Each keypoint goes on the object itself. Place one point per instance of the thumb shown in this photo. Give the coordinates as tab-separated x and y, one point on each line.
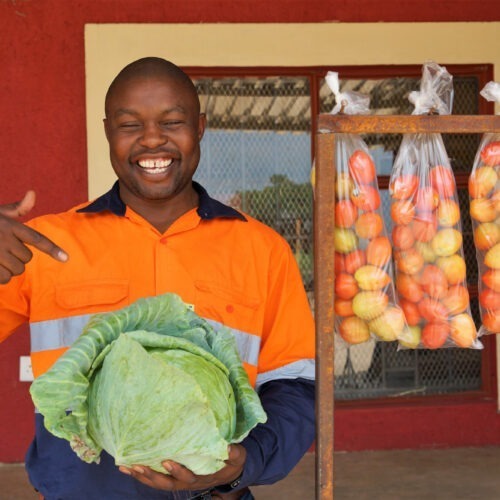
19	208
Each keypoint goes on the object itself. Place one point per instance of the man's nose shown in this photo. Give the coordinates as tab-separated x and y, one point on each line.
153	136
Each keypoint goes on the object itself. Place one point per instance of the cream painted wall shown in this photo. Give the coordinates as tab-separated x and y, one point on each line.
109	47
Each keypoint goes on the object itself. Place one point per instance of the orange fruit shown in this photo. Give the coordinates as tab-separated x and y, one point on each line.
403	186
427	199
486	235
369	225
410	310
354	330
492	257
491	321
448	213
432	309
402	211
343	307
453	267
402	236
424	230
446	242
456	300
489	299
482	210
482	181
389	325
434	334
354	260
426	251
361	167
408	288
379	251
371	278
463	330
345	213
409	261
345	286
433	281
339	263
369	305
442	180
491	279
366	197
345	240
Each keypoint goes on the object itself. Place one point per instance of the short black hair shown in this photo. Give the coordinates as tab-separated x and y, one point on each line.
151	67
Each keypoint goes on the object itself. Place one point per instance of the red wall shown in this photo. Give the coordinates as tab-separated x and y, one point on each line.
43	147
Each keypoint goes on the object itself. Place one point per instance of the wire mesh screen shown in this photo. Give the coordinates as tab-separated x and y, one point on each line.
256	154
256	157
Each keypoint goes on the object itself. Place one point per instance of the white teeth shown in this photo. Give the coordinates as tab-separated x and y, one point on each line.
154	164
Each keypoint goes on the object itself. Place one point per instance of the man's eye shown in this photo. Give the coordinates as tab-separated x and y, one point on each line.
128	125
171	123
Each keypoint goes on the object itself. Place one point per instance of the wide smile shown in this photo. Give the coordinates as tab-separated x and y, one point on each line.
155	166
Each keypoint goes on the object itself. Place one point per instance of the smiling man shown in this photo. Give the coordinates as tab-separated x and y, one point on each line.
156	231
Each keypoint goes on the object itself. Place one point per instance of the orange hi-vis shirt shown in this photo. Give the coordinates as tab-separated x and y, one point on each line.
232	269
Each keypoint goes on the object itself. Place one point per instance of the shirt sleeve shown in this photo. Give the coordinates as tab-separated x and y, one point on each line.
274	448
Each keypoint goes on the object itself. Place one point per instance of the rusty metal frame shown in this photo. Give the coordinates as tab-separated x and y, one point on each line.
324	275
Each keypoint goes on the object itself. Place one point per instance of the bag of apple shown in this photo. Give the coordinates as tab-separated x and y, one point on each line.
484	198
426	234
364	305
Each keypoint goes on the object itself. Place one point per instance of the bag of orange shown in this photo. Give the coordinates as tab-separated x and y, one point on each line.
427	235
484	208
365	306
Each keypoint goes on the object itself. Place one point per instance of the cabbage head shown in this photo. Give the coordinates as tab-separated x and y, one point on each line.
150	382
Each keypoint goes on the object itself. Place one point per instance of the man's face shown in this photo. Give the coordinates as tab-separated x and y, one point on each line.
154	128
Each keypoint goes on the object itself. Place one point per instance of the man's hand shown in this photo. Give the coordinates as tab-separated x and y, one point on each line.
180	478
15	236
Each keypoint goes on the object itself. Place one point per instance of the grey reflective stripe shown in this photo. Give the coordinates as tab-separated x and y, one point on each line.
305	368
248	345
56	333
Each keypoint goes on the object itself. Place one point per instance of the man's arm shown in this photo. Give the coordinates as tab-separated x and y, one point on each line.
274	448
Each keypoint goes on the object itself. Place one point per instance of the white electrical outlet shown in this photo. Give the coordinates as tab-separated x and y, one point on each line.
25	371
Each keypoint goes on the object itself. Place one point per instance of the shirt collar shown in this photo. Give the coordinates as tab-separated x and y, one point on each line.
208	208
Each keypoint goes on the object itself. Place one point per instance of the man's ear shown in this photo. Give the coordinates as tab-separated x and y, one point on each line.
106	125
202	123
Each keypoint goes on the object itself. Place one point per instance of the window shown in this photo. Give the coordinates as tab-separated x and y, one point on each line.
256	155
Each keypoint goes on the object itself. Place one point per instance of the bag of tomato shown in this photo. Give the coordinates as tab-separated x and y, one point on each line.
365	305
426	231
484	208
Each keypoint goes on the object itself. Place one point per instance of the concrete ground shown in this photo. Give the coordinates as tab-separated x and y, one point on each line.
451	474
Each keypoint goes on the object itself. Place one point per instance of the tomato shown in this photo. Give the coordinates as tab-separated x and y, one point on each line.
366	197
362	168
435	333
432	310
402	236
354	260
490	155
404	186
402	211
379	251
369	225
443	181
345	286
345	213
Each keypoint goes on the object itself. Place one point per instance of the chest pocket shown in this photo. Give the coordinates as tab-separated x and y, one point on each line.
93	295
231	307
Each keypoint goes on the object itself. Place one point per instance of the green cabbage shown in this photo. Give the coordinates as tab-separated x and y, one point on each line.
150	382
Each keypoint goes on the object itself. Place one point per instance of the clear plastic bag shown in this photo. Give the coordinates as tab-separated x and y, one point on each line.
484	209
427	234
365	306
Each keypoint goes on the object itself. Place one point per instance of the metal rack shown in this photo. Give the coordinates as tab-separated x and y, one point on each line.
324	210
